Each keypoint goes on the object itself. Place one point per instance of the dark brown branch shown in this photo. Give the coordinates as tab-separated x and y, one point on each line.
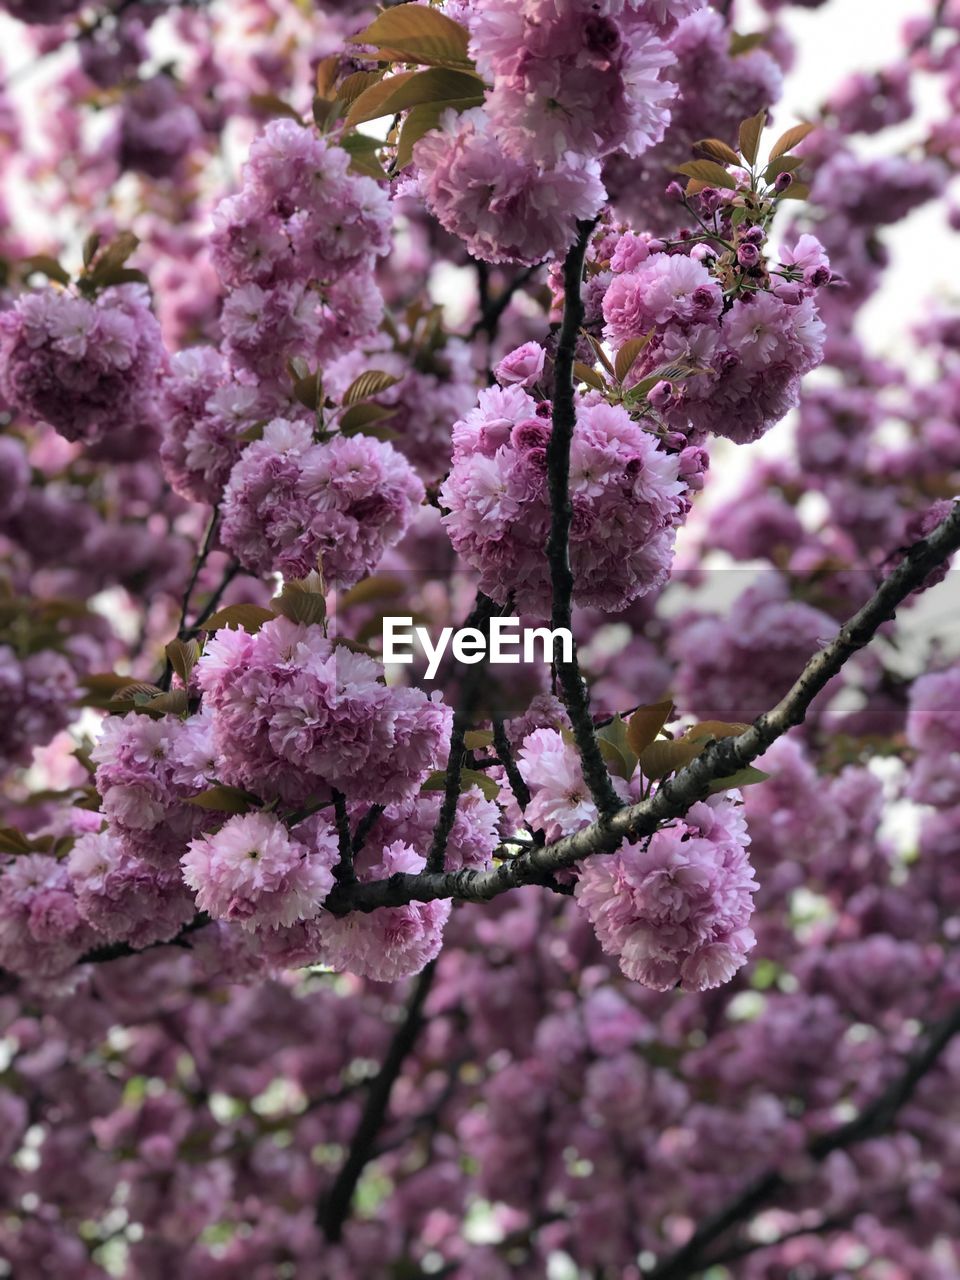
479	617
182	631
744	1248
365	826
572	686
505	756
492	309
874	1120
212	604
343	871
120	950
333	1211
674	798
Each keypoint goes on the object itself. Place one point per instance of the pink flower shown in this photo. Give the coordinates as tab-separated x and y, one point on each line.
289	501
293	715
392	942
42	933
253	872
89	369
123	897
523	367
505	209
676	909
663	289
626	494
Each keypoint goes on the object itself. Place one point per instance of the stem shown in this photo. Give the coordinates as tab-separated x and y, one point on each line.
436	858
334	1209
572	686
343	872
517	784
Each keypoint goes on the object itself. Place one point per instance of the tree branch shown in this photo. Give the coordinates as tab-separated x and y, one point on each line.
572	686
872	1121
343	872
479	617
517	784
492	309
334	1209
674	798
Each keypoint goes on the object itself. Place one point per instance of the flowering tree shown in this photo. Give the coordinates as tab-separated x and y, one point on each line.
634	963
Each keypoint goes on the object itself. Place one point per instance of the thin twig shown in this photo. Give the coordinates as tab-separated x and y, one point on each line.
872	1121
517	784
365	826
492	309
436	858
334	1209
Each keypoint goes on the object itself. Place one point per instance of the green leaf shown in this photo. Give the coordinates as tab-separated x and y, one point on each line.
90	247
136	692
417	33
628	353
708	730
421	121
183	657
14	842
787	141
717	149
708	171
478	739
750	132
379	586
175	703
584	373
45	265
308	390
363	155
325	113
614	742
268	104
415	89
437	781
783	164
249	617
799	191
303	601
664	757
353	86
369	384
740	44
743	778
645	724
222	798
364	416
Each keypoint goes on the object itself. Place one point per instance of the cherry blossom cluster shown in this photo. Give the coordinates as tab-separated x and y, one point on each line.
36	693
294	716
88	368
289	501
584	1076
741	359
626	490
568	85
677	909
295	249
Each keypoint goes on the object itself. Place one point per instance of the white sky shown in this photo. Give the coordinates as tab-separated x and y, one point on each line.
843	37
